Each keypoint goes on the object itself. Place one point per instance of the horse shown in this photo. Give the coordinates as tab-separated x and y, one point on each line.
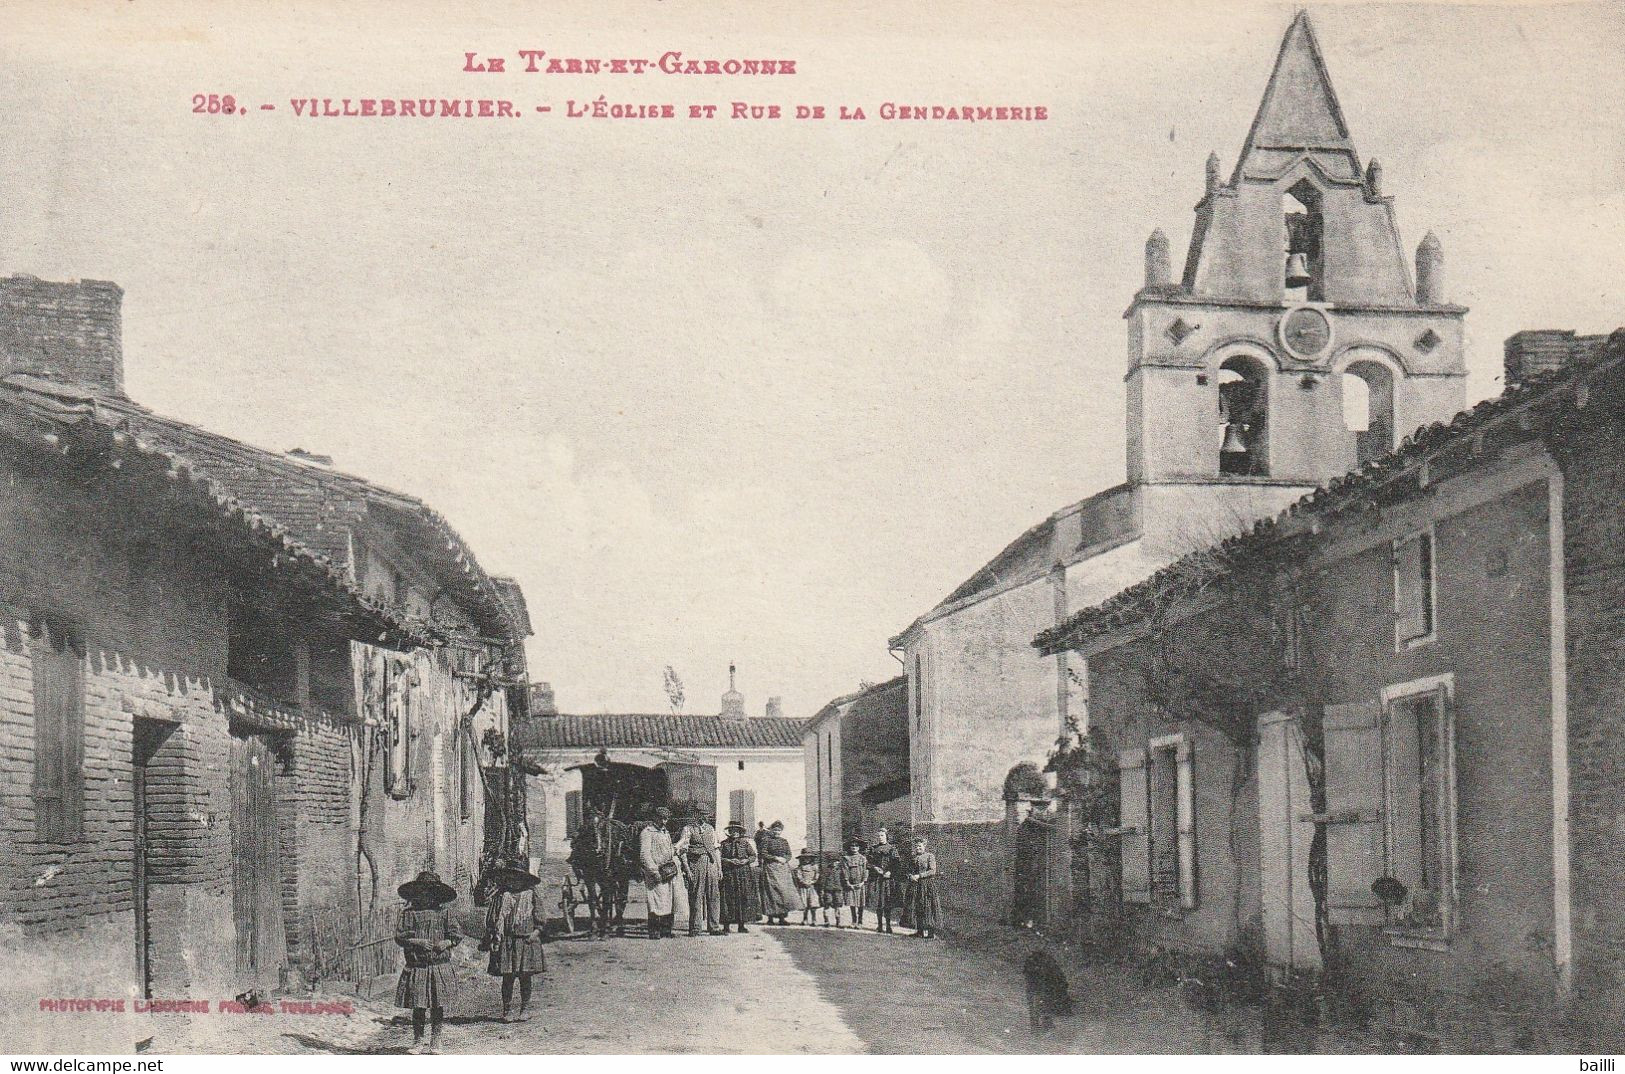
605	856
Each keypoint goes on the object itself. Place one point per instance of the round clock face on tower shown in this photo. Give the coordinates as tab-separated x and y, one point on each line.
1306	333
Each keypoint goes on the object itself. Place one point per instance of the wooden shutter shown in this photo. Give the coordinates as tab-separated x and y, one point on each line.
1134	822
742	808
1355	852
1185	814
398	725
59	731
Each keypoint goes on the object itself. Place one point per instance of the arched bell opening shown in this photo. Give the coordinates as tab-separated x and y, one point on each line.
1303	230
1368	409
1243	416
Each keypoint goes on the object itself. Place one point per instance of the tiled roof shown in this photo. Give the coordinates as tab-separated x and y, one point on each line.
1036	552
834	705
639	730
43	415
1556	394
310	504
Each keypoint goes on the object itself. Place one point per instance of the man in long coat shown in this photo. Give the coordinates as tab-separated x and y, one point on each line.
698	846
658	859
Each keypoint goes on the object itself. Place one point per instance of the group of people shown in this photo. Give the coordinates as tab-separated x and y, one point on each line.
742	879
515	922
727	884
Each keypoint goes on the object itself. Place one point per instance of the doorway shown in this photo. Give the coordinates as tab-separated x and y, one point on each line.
145	738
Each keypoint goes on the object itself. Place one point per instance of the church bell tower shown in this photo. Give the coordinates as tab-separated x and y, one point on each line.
1296	344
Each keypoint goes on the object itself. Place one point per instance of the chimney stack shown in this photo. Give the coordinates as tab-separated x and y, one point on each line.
775	708
733	702
68	332
1538	351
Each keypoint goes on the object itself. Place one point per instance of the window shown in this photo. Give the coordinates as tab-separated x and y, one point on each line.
1419	787
57	655
1390	793
1157	823
919	693
1414	591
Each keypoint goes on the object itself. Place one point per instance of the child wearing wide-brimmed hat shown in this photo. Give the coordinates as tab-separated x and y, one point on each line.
806	876
514	924
427	932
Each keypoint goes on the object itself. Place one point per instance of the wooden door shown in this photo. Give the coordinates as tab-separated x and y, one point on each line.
1284	839
256	859
146	737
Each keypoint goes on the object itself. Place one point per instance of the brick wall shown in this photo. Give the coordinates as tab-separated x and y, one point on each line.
1594	537
154	641
69	331
153	616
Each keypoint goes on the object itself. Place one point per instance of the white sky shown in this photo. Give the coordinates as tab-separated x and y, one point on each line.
750	391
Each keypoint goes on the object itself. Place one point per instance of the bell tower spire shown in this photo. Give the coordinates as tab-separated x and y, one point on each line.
1299	114
1295	285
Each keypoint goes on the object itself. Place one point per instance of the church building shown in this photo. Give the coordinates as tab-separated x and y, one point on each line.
1296	343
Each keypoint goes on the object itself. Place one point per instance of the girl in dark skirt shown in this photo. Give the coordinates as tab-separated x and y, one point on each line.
427	933
923	902
513	934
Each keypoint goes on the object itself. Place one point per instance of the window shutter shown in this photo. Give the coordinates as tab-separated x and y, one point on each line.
1133	822
742	808
398	710
1185	788
59	727
572	813
1355	855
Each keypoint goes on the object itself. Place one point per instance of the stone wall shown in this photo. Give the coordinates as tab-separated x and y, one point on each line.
1594	534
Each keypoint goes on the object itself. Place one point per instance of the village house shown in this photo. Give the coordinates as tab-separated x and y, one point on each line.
738	767
856	760
243	695
1377	738
1294	345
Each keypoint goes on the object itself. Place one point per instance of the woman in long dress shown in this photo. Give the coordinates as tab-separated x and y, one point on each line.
659	864
779	896
739	883
923	901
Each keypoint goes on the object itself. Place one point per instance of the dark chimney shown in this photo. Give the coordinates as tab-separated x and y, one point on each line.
68	332
1531	353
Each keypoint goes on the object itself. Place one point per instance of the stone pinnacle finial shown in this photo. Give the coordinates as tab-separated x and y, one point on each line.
1212	172
1157	272
1430	271
1373	177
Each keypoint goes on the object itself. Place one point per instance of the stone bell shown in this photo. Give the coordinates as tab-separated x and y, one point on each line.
1297	270
1235	442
